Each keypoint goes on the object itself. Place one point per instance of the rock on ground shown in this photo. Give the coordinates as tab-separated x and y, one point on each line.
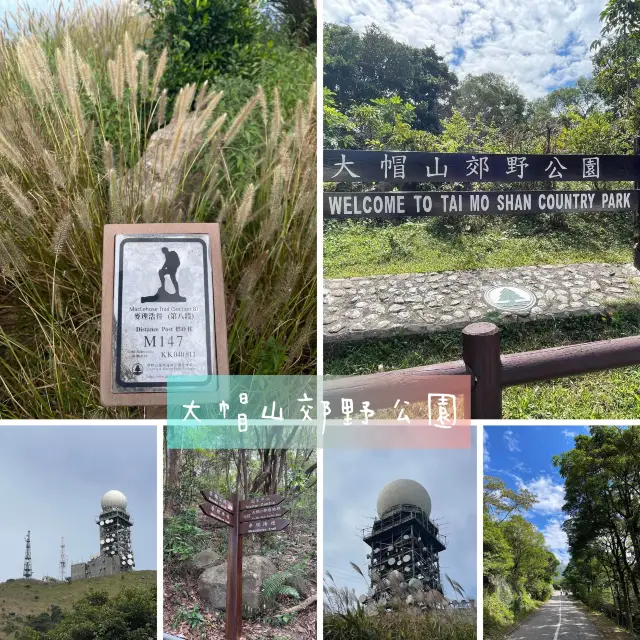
205	560
212	584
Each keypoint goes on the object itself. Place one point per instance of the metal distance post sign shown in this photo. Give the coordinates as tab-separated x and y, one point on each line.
164	309
255	515
163	289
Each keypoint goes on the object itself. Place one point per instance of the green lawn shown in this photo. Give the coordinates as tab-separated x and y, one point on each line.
374	247
611	394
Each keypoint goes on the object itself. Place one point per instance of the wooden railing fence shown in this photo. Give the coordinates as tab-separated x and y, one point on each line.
491	371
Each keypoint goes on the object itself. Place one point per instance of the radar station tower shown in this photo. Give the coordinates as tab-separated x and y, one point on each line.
404	539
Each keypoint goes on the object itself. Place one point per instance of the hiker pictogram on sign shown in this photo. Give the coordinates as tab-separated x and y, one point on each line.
169	268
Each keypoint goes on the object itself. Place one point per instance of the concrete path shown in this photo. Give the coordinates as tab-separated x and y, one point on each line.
557	619
380	306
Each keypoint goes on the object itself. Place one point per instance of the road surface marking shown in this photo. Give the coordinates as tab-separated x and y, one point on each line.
559	621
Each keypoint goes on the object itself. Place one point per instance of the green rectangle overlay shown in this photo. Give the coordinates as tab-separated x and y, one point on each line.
243	412
307	412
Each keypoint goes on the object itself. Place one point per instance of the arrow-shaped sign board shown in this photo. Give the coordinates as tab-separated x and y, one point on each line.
262	501
262	513
218	500
263	526
216	512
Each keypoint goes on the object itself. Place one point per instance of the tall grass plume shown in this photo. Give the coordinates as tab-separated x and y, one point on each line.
84	141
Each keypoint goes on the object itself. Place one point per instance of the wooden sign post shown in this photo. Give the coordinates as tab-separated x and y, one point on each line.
163	311
243	517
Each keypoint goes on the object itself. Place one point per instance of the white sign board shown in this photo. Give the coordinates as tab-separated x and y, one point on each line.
163	310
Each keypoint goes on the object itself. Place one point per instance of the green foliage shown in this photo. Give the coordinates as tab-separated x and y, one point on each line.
496	612
206	39
45	621
337	130
581	97
597	130
497	560
84	124
500	502
492	99
281	620
290	70
518	569
353	71
617	56
602	476
284	583
300	18
182	537
531	560
192	617
131	615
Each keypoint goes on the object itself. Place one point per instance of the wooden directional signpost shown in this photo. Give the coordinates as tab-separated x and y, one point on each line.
243	517
402	167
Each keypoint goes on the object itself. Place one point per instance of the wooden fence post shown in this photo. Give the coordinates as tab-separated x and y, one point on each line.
636	215
481	354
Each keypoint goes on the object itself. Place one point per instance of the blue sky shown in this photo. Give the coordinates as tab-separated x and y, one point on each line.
352	481
538	45
52	480
522	457
11	6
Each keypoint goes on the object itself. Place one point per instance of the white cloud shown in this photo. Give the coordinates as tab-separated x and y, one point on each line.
485	450
537	45
556	538
550	496
521	467
569	434
511	441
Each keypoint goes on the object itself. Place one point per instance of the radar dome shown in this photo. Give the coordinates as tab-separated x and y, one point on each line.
114	499
403	492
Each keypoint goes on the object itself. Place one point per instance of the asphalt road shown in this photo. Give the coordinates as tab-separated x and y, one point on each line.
557	619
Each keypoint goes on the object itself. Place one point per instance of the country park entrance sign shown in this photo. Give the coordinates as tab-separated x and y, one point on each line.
415	166
481	354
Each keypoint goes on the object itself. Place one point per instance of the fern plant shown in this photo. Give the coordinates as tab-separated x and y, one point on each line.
283	583
192	617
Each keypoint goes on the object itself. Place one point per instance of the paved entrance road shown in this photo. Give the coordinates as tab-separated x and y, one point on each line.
557	619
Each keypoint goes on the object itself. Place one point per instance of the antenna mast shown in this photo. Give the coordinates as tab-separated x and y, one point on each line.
27	558
63	561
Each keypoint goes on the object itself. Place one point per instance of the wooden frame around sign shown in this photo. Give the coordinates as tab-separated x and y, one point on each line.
154	398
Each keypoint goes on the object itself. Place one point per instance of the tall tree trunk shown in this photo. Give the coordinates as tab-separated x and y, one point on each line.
174	463
625	592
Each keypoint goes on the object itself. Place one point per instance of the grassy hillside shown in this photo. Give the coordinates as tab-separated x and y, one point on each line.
22	598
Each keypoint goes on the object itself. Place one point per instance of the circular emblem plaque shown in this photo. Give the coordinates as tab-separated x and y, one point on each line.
507	298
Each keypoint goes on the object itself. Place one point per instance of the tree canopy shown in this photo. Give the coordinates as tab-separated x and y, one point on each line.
518	569
491	98
602	483
360	68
